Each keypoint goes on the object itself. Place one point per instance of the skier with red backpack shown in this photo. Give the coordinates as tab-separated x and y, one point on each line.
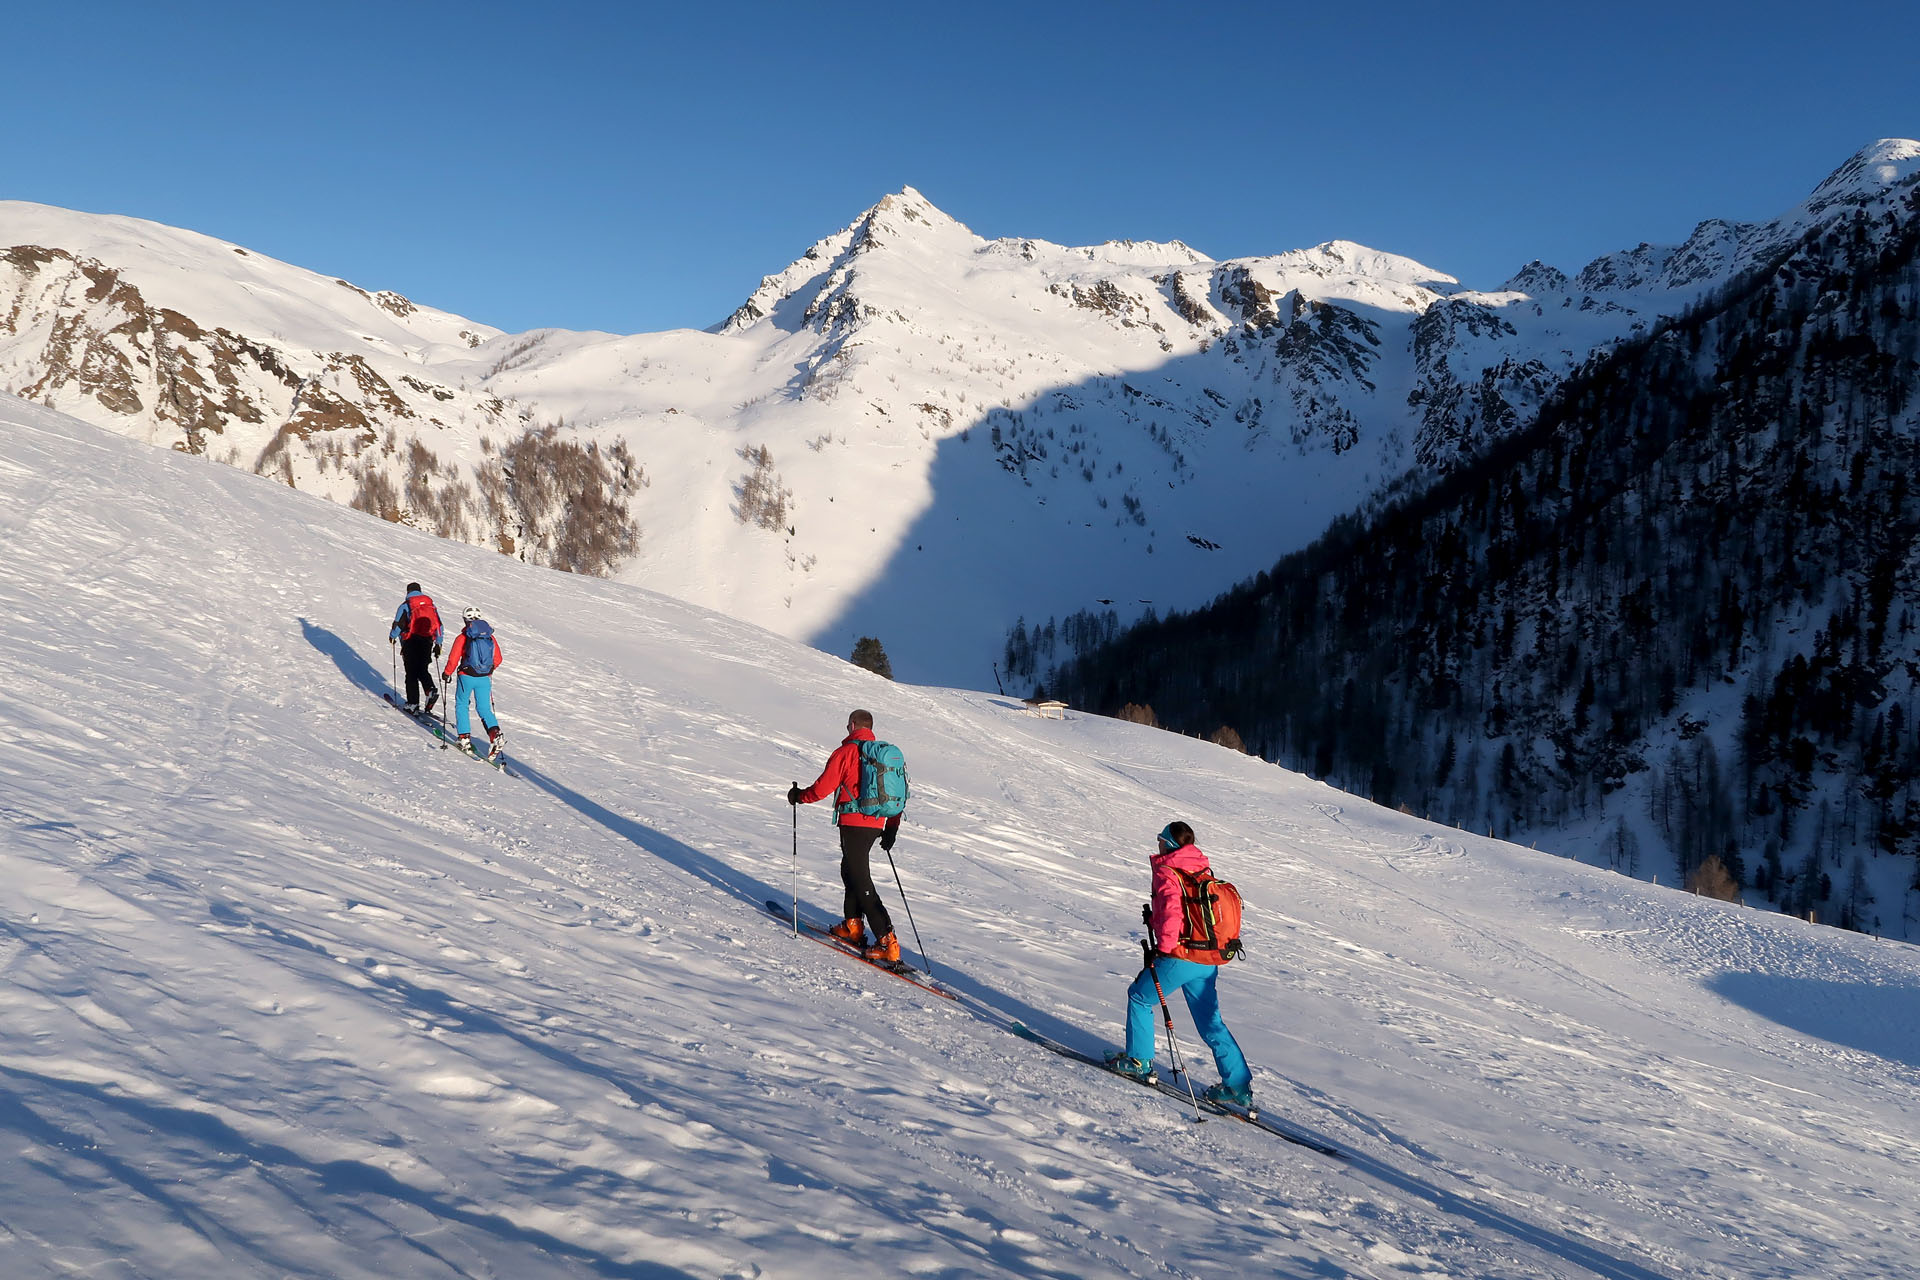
1193	927
476	656
867	780
416	629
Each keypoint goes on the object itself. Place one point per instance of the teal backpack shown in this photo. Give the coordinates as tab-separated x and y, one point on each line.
883	782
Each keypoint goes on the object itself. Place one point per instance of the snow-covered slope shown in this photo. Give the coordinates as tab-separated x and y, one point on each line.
182	338
284	990
910	432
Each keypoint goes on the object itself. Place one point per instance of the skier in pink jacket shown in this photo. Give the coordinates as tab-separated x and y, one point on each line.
1176	852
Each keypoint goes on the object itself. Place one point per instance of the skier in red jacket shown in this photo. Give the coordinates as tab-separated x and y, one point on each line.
858	832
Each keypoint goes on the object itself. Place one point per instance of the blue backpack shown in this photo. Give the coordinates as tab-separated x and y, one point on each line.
479	657
883	781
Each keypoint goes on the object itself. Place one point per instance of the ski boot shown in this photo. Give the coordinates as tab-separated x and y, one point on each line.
885	951
1225	1095
851	932
465	744
1132	1068
498	738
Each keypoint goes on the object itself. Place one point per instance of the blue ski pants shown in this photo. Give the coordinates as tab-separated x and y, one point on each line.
1203	1002
481	687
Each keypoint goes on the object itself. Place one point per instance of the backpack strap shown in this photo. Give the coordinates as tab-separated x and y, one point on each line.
841	808
1195	895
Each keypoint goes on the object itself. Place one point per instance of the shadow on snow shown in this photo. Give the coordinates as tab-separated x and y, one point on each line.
988	1005
1085	497
1871	1018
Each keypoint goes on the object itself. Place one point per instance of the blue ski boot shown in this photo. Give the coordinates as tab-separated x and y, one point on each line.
1225	1095
1132	1068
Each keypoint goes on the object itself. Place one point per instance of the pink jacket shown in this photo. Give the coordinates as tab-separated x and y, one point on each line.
1169	918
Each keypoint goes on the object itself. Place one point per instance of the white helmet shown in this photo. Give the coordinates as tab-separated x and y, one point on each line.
469	613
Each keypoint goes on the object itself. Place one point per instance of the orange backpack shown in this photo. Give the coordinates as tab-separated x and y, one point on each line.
1210	928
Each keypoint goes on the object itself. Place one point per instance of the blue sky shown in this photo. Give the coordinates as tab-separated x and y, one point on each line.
634	167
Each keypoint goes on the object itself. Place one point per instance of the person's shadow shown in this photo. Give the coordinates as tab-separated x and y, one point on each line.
355	668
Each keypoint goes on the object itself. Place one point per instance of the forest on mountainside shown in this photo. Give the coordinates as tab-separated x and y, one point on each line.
1697	565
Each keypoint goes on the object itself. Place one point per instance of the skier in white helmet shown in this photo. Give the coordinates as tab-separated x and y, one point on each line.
476	656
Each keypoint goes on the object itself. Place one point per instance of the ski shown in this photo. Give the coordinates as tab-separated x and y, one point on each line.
1252	1117
484	757
420	718
904	972
449	741
1259	1121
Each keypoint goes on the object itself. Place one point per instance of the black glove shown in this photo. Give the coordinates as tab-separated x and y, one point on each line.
436	650
892	833
1146	913
794	793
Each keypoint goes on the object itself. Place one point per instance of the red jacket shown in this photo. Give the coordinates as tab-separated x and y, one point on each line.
841	780
1169	916
460	648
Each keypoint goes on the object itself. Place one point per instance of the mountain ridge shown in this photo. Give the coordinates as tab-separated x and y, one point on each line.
1669	624
1165	423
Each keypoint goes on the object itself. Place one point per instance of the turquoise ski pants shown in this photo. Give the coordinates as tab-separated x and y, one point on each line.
481	687
1203	1002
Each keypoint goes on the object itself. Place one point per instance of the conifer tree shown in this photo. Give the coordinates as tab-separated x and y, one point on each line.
868	653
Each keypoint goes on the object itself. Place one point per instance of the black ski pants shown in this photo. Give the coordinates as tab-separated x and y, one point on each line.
417	653
856	872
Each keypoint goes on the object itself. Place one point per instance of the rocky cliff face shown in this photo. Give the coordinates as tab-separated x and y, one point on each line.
367	418
77	328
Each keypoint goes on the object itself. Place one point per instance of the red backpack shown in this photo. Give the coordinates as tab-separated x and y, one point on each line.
423	619
1210	928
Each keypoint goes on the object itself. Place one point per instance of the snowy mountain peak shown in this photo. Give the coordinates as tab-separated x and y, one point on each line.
1625	271
907	215
909	204
1868	173
1142	253
1345	258
1536	279
902	219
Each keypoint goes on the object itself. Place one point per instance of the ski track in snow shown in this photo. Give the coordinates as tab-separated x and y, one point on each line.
285	989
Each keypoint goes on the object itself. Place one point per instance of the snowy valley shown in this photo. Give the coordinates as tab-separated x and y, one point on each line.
286	990
883	436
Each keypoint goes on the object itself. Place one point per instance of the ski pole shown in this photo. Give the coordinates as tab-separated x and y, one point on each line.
1173	1045
393	651
796	867
909	906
